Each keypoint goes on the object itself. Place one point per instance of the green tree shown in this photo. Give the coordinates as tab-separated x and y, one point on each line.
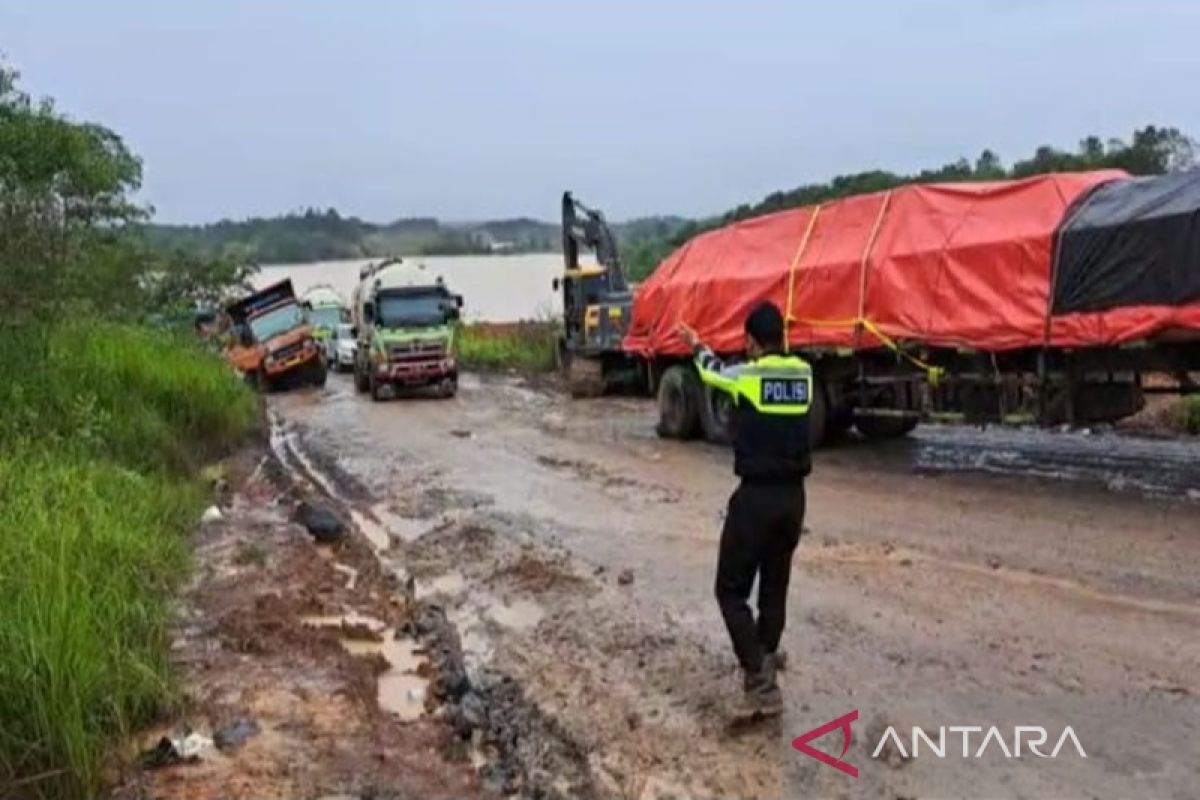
1153	151
65	208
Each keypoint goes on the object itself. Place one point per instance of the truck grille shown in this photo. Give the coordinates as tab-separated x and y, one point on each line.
415	350
287	352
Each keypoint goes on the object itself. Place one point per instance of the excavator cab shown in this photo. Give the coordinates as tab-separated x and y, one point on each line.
596	299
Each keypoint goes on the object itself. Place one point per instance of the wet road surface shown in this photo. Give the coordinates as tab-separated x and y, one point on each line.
922	595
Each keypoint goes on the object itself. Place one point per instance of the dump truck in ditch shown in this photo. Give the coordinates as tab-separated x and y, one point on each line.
272	342
404	321
1044	300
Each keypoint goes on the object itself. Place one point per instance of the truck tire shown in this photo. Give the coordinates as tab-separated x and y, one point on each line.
884	427
362	381
319	374
448	388
262	381
716	415
818	414
716	410
375	387
679	394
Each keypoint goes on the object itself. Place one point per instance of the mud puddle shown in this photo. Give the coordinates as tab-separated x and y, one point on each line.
297	643
402	681
557	684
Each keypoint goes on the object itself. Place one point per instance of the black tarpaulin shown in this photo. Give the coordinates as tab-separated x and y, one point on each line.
1131	242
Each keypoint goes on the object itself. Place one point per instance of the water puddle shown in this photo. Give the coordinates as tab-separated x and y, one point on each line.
400	689
376	534
381	526
452	583
354	624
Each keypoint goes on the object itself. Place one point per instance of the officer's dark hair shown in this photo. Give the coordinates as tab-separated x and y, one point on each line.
765	326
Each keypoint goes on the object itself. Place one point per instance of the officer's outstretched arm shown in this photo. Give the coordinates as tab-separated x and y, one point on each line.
714	373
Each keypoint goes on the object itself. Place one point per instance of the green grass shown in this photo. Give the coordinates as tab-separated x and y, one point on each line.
524	346
1191	414
104	429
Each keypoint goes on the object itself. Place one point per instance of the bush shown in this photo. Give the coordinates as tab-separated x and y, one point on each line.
102	426
1191	414
527	346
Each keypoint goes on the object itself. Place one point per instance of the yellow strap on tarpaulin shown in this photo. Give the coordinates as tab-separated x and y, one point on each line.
934	374
787	317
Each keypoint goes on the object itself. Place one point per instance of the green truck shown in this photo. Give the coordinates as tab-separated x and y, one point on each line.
404	319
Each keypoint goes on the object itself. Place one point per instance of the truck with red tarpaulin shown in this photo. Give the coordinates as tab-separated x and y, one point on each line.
1047	299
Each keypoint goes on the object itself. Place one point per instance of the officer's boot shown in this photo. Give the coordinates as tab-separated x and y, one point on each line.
762	694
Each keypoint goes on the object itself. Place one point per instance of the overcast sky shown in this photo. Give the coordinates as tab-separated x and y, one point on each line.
466	109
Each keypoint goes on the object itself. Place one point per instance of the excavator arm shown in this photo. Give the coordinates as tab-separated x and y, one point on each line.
585	228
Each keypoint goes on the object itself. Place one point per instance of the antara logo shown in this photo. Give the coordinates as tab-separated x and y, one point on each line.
1033	737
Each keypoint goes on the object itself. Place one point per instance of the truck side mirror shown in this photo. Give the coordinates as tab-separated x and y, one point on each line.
369	311
354	331
458	301
245	335
554	284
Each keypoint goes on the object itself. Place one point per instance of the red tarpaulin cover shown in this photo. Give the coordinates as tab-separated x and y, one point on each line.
944	264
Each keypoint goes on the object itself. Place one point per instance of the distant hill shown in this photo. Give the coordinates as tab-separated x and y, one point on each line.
1150	151
322	235
325	235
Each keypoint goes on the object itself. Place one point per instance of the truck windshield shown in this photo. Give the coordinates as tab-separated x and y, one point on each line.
325	316
398	311
276	321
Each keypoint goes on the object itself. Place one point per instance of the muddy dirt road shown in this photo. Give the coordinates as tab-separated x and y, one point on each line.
574	552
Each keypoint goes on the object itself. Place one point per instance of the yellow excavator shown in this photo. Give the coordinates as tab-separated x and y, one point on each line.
596	302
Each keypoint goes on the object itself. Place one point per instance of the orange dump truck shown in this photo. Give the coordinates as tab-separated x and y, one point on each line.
273	344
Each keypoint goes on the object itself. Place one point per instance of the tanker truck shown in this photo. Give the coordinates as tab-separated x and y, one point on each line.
403	317
1050	299
326	310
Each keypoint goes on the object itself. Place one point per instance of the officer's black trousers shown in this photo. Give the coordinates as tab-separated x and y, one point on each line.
762	528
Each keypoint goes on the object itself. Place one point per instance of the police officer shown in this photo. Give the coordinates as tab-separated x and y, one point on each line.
771	395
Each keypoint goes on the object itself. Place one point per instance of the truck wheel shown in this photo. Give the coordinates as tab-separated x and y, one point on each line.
716	415
448	387
376	388
362	381
262	381
884	427
679	394
319	374
818	414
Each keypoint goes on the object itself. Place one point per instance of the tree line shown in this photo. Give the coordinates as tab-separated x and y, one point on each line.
1151	150
72	241
324	234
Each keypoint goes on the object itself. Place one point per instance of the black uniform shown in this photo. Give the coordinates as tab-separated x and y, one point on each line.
762	524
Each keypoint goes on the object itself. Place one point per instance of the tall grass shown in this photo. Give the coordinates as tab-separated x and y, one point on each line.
526	346
102	430
1190	414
